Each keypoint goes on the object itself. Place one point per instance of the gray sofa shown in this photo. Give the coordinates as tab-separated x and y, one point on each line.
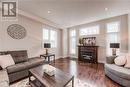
118	74
22	64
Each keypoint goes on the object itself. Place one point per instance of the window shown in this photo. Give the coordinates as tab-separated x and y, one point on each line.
45	34
89	30
112	36
50	36
72	35
113	27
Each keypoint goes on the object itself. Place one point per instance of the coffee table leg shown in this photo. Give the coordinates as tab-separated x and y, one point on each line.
54	58
48	59
29	77
73	82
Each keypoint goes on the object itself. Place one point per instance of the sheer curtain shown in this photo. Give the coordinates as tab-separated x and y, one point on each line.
53	38
72	42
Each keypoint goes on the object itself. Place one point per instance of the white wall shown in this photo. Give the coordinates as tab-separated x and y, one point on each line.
32	42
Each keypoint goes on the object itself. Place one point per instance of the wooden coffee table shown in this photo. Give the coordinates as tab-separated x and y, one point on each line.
60	79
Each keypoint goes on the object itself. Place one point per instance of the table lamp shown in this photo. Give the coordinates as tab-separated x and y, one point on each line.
47	45
114	46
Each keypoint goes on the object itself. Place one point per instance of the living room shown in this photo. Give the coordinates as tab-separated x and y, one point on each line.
77	43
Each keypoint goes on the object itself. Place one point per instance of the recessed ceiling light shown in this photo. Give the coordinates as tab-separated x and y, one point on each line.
48	12
106	9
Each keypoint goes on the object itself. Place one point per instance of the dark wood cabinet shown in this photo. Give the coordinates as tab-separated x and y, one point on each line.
88	53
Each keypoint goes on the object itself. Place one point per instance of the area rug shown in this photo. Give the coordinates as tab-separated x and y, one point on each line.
77	83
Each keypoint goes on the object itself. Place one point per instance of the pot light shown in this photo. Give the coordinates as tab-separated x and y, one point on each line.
106	9
48	12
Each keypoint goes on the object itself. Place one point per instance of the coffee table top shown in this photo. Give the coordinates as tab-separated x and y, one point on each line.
60	79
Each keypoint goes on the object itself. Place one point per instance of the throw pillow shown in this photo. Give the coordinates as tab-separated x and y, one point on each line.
110	59
121	60
127	65
6	60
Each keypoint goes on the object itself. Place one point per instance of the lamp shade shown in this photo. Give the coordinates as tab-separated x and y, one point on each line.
47	45
114	45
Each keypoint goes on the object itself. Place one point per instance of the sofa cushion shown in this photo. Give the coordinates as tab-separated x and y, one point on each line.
17	67
123	82
118	70
35	61
19	56
14	77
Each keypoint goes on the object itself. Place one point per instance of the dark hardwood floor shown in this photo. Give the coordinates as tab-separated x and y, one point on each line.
92	74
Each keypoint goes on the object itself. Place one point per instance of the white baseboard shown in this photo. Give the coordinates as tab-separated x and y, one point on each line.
63	56
101	61
60	57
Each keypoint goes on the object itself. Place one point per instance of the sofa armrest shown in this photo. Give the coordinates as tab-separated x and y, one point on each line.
4	76
110	59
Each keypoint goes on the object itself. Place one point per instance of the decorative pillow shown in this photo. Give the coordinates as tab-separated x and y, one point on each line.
127	65
110	59
6	60
121	60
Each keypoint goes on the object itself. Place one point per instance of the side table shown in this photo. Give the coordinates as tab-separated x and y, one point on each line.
48	56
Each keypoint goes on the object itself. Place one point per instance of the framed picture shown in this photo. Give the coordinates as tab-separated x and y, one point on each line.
91	41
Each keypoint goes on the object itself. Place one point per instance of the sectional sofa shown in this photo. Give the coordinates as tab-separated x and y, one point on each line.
22	65
117	73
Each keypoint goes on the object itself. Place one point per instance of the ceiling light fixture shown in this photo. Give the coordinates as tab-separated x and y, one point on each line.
48	12
106	9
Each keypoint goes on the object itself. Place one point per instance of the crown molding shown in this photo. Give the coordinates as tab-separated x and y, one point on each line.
36	18
39	19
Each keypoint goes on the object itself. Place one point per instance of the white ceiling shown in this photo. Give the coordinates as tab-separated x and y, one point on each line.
74	12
